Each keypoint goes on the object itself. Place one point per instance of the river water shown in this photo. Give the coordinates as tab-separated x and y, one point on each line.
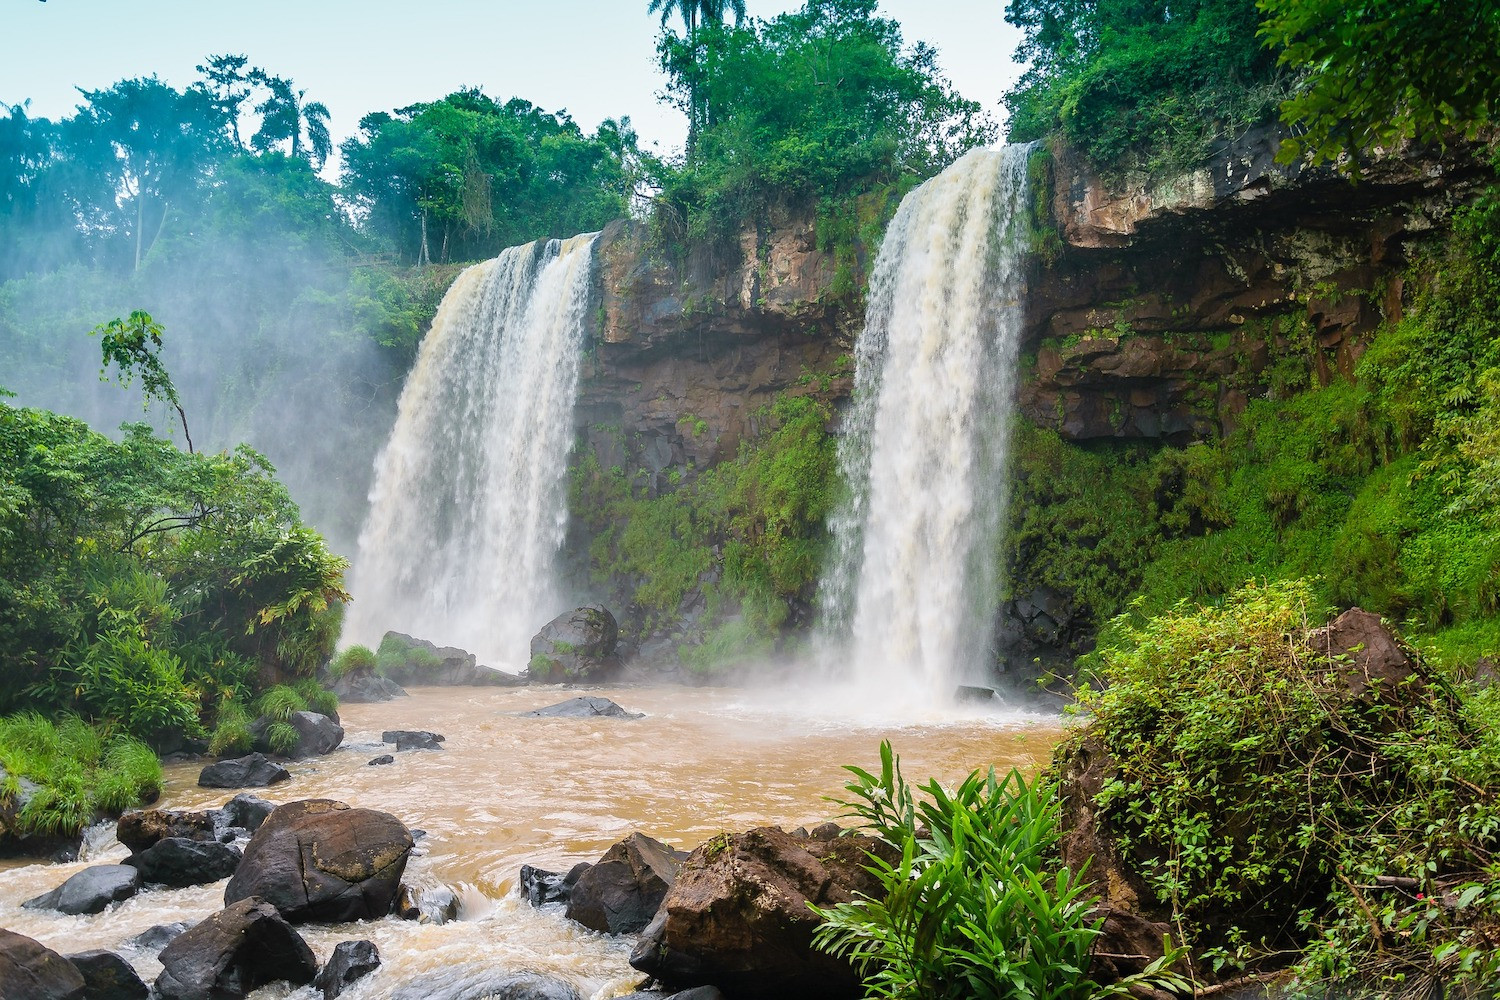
510	791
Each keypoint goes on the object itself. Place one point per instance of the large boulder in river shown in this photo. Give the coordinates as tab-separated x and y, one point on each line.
576	647
29	970
319	860
621	893
363	685
89	891
413	739
316	735
239	949
738	917
412	661
141	829
178	862
107	976
253	770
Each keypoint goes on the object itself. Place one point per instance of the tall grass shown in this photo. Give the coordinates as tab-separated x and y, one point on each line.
83	771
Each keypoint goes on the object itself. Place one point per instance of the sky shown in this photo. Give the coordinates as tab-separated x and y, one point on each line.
595	59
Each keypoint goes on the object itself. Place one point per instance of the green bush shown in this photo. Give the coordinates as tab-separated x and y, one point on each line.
231	736
280	702
977	905
351	659
83	771
282	737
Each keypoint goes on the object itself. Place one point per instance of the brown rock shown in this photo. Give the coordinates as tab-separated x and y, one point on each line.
621	893
738	917
1373	663
318	859
29	970
140	830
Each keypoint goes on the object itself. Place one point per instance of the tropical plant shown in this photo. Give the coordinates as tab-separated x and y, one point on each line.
286	115
133	346
81	771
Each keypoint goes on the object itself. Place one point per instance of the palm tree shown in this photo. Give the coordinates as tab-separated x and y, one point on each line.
285	114
692	13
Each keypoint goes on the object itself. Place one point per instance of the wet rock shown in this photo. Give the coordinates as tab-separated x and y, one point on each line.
586	707
575	647
153	939
316	735
1373	664
384	758
350	962
239	949
320	860
364	686
826	831
89	891
15	841
251	771
423	663
140	830
621	893
540	886
107	976
737	917
699	993
413	739
1128	941
178	862
243	812
434	904
29	970
482	983
969	694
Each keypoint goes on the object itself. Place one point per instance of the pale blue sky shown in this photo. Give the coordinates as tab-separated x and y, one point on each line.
594	58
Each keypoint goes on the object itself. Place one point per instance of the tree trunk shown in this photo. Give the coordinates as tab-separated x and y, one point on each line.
422	257
140	223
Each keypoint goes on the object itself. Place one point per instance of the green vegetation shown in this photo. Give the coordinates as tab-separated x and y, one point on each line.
746	535
83	771
978	904
1273	803
352	659
810	108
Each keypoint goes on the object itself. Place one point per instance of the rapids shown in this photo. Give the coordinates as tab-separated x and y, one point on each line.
551	792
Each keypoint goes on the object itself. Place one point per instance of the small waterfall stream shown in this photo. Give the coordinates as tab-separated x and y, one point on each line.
914	575
468	507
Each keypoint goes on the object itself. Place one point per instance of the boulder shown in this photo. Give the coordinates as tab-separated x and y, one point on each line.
482	982
412	661
621	893
316	734
738	916
587	707
156	937
350	962
540	886
575	647
89	891
321	860
16	840
413	739
384	758
243	812
107	976
1372	663
364	686
178	862
29	970
143	828
239	949
250	771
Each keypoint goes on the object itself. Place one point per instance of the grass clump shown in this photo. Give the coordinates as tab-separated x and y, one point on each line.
352	659
82	771
231	736
1274	806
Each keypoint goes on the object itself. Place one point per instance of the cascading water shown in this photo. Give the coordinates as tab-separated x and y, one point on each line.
468	507
913	582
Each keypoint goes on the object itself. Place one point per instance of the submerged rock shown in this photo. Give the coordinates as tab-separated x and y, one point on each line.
107	976
178	862
251	771
29	970
585	707
738	916
316	734
364	686
575	647
350	962
319	860
89	891
413	739
153	939
384	758
482	983
621	893
239	949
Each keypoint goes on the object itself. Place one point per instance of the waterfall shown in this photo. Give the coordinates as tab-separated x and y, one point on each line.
468	507
910	594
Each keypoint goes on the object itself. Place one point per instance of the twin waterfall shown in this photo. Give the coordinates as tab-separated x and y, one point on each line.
914	576
469	504
469	509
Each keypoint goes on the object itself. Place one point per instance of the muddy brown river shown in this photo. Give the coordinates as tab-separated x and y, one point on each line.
510	791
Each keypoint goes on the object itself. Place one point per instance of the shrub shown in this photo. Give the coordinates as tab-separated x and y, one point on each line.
351	659
231	736
280	702
83	771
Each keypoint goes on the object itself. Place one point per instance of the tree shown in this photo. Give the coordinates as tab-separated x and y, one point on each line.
133	346
694	12
228	85
285	115
1383	72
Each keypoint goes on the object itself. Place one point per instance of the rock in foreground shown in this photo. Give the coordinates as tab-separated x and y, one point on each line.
29	970
576	647
587	707
251	771
318	859
178	862
737	917
237	950
90	891
107	976
621	893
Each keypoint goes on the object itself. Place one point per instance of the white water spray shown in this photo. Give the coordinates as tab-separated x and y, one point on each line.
914	578
469	506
